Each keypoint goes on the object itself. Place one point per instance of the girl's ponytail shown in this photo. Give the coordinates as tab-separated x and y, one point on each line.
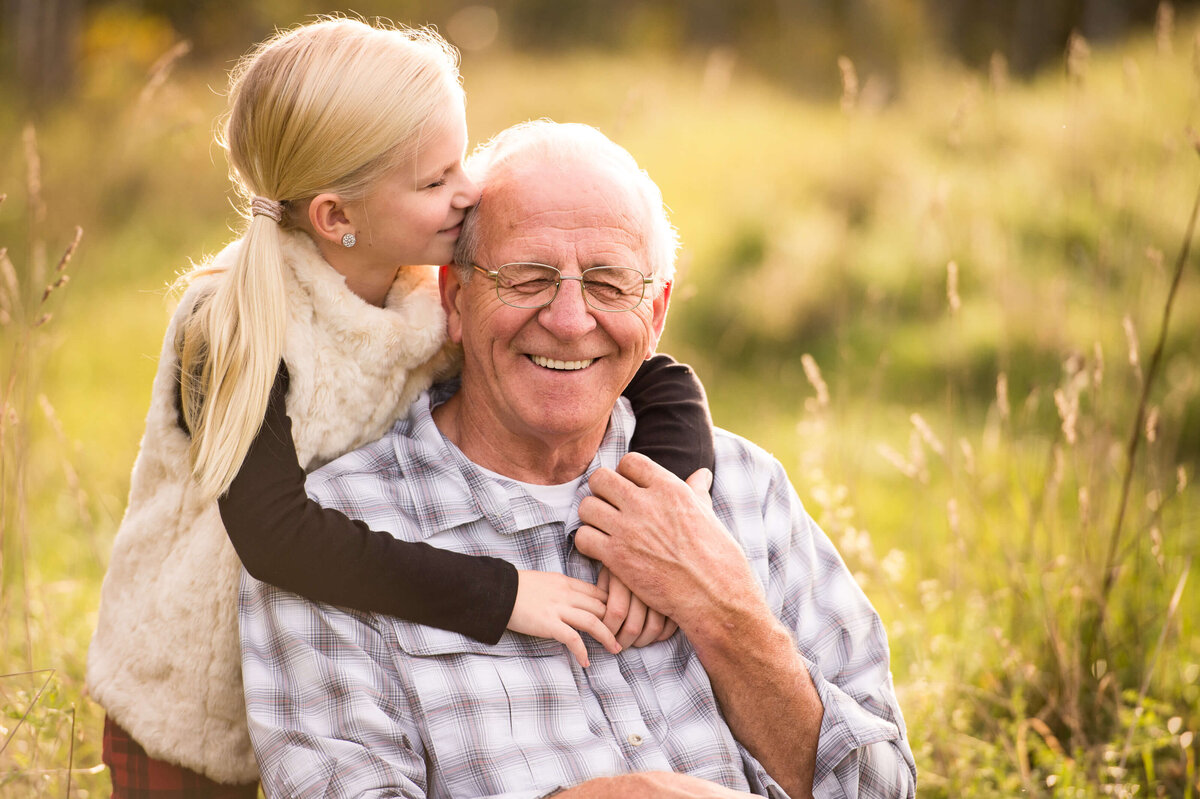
333	106
229	355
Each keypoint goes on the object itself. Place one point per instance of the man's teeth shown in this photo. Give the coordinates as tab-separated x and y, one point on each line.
567	366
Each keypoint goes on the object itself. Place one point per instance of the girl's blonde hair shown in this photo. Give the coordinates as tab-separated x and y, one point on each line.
329	106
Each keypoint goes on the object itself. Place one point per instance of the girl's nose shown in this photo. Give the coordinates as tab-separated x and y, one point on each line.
468	193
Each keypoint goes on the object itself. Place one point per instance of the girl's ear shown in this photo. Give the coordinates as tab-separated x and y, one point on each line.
327	215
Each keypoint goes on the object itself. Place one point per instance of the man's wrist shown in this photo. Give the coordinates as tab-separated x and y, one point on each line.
729	621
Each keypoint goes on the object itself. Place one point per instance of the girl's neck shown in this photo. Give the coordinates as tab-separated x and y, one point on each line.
371	286
368	281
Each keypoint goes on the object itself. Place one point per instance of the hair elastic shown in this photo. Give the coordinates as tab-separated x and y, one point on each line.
261	206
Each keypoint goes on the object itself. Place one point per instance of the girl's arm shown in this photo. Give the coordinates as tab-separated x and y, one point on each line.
674	428
286	539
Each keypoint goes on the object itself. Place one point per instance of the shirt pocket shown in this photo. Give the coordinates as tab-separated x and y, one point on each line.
485	710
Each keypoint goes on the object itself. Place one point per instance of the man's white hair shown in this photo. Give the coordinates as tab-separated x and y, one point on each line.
545	140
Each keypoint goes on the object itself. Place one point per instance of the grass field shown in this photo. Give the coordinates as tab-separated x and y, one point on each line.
938	302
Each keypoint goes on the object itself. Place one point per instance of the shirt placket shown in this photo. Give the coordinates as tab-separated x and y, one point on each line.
611	682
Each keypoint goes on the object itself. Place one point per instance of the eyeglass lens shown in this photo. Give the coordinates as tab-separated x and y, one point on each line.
605	288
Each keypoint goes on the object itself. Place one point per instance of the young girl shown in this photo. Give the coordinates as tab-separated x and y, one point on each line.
302	340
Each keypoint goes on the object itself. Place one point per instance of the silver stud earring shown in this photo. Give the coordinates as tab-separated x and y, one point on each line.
349	240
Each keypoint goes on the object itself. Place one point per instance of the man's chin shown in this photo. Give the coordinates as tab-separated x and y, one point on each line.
568	417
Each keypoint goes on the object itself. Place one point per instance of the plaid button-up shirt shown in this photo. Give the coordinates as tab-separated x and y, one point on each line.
343	703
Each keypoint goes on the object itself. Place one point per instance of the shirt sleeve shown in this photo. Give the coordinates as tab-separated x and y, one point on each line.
863	751
674	427
285	538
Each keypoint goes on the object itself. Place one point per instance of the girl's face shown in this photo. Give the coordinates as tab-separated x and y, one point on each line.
415	214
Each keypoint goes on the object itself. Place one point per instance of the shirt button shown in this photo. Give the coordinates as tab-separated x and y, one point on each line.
634	739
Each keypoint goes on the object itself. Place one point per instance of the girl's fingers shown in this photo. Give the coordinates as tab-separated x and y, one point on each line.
593	626
560	607
586	589
574	643
701	482
635	622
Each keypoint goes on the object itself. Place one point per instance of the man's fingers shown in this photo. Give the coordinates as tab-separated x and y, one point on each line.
617	608
638	469
669	629
598	515
635	622
652	629
591	542
606	486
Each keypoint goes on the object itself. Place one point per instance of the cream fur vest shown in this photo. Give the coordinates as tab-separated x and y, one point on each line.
164	661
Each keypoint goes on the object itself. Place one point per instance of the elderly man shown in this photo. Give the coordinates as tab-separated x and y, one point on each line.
777	683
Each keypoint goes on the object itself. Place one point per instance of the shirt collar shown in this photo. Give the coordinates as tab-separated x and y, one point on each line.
467	493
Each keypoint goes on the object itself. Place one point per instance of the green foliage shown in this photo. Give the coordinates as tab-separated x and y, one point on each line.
964	439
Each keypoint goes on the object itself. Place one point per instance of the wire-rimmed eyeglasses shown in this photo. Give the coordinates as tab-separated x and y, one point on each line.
605	288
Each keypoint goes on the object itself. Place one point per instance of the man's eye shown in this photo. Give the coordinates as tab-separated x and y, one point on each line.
605	288
534	286
612	284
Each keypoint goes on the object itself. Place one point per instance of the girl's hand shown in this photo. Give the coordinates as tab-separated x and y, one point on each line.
629	618
555	606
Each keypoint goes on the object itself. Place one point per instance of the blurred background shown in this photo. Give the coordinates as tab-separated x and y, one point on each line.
934	259
796	42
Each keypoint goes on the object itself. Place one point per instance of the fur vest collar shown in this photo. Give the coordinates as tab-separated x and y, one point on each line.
164	660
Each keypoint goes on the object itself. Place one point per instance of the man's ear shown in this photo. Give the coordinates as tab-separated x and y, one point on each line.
658	319
328	217
450	289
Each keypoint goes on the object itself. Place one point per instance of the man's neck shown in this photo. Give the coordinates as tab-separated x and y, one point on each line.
541	460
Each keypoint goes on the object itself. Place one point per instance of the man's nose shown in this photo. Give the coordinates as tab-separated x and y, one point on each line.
568	316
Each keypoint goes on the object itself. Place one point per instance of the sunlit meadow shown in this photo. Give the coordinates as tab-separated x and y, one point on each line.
938	301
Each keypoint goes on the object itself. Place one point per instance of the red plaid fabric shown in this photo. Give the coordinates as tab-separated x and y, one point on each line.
136	775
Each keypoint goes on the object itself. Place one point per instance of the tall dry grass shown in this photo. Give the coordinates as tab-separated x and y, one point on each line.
1052	648
38	733
932	305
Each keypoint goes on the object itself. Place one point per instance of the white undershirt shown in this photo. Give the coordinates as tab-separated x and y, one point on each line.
560	498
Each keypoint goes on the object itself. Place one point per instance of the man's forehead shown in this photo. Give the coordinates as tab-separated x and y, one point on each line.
562	199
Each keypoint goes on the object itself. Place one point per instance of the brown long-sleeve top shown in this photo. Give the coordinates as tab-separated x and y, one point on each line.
286	539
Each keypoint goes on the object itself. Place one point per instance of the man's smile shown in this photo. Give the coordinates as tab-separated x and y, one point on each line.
564	366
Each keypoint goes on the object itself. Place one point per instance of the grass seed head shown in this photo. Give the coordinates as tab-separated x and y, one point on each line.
952	287
1164	28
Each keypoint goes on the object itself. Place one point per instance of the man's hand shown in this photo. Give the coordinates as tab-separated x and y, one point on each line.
555	606
660	536
651	785
628	617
